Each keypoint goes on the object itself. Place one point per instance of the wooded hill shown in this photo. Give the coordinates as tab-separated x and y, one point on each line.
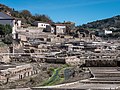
25	15
105	23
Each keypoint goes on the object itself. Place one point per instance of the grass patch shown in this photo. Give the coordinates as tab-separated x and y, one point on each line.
55	78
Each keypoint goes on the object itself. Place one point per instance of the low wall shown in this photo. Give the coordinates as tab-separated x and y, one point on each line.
55	60
57	89
101	63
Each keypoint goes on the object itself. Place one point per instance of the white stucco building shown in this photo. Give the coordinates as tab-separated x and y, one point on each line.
104	32
108	32
41	24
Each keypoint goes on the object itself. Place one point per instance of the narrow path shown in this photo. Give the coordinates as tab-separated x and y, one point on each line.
53	78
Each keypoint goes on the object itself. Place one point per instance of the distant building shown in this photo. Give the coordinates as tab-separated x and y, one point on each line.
104	32
63	28
108	32
69	26
40	24
59	29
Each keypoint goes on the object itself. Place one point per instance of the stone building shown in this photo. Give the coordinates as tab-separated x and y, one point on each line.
16	72
74	61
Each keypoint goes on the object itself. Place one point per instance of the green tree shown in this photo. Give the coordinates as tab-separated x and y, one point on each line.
5	29
8	29
2	29
43	18
26	13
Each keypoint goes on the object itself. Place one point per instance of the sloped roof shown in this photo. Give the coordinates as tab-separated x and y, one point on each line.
5	16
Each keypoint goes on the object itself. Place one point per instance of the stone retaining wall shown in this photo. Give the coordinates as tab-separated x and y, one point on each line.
101	63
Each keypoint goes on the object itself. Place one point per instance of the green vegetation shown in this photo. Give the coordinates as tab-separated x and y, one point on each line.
25	15
53	79
7	39
112	24
5	32
105	23
56	77
5	29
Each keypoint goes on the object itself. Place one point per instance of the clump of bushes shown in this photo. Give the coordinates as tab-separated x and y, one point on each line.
6	33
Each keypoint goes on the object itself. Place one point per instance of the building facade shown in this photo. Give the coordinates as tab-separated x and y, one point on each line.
41	24
17	72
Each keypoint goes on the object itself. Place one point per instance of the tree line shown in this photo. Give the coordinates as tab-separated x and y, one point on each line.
28	18
25	15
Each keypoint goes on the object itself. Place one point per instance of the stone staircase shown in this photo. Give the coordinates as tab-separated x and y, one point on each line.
104	75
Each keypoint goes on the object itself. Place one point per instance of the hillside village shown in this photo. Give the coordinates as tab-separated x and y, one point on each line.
47	53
